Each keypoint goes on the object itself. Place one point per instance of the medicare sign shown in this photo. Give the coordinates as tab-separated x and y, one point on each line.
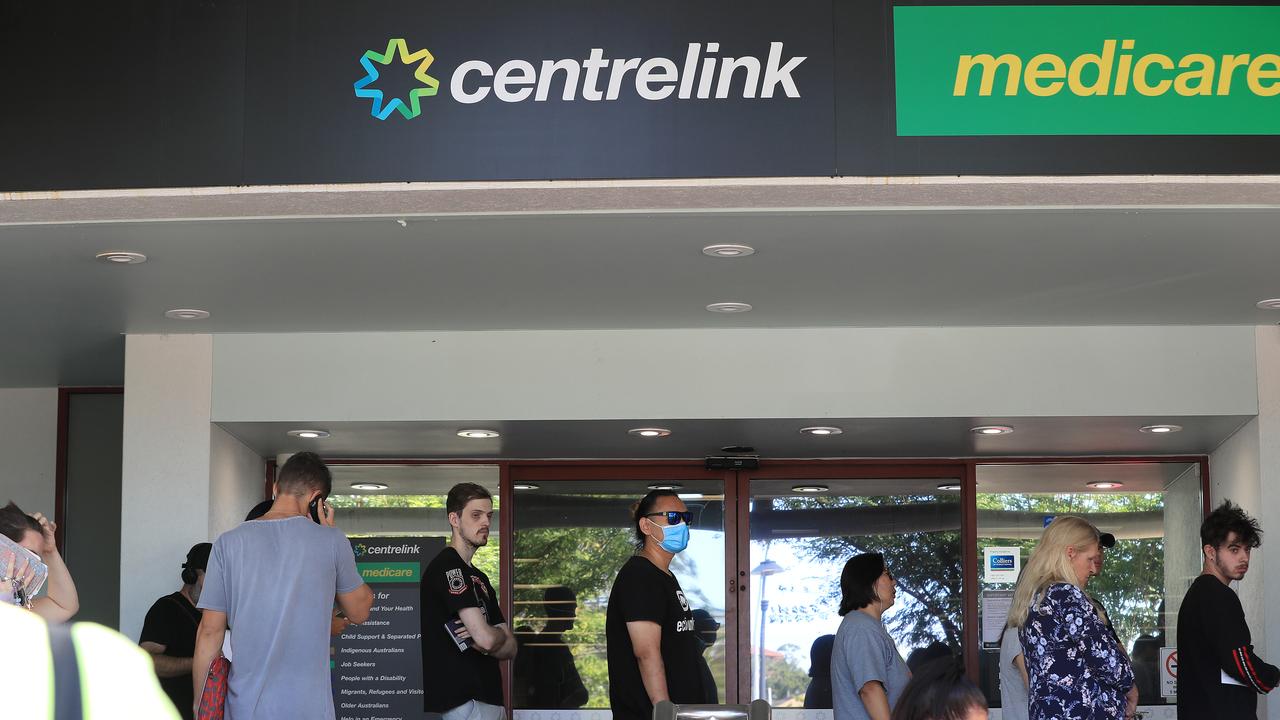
1087	70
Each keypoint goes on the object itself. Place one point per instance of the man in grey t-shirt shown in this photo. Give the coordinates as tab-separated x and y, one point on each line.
274	581
867	672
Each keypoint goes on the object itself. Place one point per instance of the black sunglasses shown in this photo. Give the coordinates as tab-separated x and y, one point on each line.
675	517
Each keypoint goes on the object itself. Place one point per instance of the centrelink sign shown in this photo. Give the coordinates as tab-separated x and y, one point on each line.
703	73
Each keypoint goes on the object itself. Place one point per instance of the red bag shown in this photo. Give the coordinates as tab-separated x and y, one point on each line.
213	699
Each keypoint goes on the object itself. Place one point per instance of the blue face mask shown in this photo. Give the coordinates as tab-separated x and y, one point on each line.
675	538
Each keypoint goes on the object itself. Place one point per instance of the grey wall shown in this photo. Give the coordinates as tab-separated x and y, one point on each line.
95	424
28	447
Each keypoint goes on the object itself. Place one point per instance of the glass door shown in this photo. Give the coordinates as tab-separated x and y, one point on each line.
804	523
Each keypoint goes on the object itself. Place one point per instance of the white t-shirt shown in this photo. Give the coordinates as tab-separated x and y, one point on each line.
1013	689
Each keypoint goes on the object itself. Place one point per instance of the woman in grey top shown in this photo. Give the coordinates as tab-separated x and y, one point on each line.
867	672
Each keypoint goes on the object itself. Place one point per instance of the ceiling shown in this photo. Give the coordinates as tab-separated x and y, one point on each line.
774	438
62	313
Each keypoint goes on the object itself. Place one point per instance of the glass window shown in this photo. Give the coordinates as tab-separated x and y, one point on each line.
1153	510
571	538
803	532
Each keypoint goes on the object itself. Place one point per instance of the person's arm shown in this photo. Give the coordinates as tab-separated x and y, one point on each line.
488	639
875	700
61	602
213	626
356	604
166	666
509	645
1021	663
646	642
1226	629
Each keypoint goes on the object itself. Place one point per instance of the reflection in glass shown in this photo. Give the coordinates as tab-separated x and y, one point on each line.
809	537
1154	515
571	538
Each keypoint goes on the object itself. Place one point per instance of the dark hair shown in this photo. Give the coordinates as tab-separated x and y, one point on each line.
463	493
644	507
303	473
259	510
858	580
1226	519
14	523
939	691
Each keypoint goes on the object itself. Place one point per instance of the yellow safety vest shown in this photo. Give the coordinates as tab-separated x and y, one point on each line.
117	678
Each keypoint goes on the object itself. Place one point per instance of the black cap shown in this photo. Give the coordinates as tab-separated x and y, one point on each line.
1106	540
198	557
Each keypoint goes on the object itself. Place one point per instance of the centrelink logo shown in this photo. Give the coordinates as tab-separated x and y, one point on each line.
703	75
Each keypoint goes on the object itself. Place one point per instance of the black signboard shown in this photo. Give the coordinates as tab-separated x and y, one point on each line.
377	666
224	92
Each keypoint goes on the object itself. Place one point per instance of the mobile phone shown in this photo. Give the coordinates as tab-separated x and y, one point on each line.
316	507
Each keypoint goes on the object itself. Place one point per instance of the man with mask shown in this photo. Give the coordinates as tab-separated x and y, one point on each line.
1219	675
464	634
169	631
653	648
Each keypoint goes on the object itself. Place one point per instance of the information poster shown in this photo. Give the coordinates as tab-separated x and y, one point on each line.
995	613
377	666
1001	564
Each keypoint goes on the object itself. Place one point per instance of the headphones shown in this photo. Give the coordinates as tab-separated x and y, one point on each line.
189	575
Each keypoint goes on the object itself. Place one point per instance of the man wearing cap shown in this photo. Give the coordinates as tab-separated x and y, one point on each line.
169	632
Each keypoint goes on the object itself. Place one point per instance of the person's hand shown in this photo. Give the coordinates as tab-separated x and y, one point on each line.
326	514
49	529
338	625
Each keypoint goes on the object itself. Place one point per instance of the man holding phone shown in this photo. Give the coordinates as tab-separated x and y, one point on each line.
274	580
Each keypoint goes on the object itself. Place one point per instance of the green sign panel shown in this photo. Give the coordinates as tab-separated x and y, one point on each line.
389	572
1087	70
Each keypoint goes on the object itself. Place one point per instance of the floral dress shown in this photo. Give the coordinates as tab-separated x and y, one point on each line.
1077	670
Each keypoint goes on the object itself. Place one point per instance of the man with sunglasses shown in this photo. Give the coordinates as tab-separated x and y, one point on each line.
652	643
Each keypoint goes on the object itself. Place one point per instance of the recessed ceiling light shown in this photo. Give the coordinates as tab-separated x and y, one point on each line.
649	432
809	488
991	430
1160	429
525	486
729	307
949	486
665	486
187	314
478	433
821	430
1272	304
1105	485
310	434
728	250
368	486
121	257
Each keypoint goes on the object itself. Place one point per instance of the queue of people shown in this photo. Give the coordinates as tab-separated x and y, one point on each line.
246	635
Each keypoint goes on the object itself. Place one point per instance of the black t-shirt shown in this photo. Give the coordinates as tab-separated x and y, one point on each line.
451	677
1213	638
642	592
172	622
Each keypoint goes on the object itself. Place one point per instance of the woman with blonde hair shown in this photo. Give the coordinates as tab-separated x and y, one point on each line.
1076	668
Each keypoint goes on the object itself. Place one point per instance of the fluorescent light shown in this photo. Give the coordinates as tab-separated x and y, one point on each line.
949	486
309	434
649	432
991	430
690	496
822	430
728	250
478	433
525	486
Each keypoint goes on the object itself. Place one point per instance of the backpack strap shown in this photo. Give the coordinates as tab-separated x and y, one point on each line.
66	674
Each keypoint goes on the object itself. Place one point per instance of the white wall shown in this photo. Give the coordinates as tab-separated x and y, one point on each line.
166	465
29	447
844	372
236	476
